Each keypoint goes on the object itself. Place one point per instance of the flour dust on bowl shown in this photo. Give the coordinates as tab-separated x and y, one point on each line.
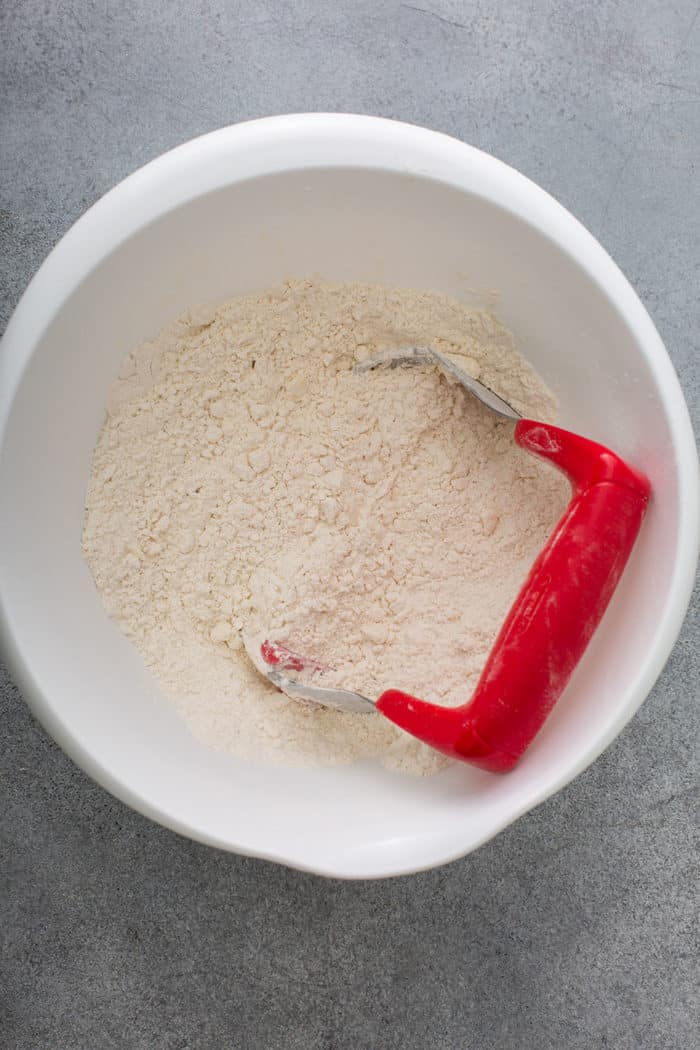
350	200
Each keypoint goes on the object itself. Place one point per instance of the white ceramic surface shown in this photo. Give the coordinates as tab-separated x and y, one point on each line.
348	198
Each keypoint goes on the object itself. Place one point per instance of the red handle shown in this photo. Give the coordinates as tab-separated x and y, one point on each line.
554	616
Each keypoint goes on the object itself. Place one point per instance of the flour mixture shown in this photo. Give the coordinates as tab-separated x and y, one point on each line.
245	478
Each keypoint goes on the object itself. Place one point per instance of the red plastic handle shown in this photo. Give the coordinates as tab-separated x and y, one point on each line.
554	616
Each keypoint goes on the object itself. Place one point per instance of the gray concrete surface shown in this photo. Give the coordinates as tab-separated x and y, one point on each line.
577	927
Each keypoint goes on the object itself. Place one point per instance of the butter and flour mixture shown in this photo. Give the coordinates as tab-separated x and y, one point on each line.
382	523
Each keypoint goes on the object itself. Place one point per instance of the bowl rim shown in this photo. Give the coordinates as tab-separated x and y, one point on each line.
311	140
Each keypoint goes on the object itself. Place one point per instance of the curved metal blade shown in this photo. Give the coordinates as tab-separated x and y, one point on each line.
338	699
423	355
274	661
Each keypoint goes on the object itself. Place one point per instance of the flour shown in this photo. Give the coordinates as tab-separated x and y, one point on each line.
247	479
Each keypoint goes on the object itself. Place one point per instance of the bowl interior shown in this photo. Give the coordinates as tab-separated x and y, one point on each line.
86	682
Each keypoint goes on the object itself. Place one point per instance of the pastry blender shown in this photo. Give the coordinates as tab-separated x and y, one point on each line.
550	622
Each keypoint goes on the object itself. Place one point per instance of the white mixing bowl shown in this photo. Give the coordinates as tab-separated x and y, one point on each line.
348	198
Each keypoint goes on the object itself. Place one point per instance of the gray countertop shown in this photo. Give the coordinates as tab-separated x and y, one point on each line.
575	927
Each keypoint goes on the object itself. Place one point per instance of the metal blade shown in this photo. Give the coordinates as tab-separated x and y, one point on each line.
338	699
423	355
268	657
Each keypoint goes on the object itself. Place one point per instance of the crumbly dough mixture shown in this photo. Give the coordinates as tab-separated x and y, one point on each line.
382	523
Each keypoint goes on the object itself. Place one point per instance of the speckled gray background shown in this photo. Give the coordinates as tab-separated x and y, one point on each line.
575	928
